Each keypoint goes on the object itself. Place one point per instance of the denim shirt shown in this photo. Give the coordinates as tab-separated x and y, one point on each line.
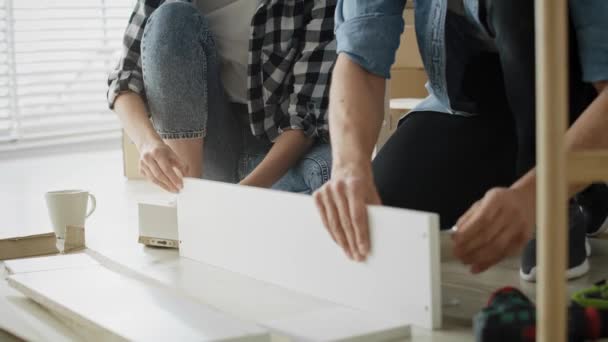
369	31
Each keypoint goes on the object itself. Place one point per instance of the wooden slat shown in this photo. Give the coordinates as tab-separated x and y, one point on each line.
551	107
587	166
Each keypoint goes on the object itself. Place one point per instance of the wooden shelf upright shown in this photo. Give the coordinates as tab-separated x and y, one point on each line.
556	168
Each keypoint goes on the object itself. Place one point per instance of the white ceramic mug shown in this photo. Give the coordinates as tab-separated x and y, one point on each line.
68	207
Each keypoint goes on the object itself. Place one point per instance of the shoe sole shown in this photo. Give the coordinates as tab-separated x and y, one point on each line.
602	229
571	273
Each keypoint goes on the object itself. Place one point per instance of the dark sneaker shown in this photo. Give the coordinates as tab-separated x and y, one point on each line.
594	204
578	247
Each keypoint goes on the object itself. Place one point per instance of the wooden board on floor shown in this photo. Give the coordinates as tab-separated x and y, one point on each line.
278	237
341	324
14	326
284	312
121	308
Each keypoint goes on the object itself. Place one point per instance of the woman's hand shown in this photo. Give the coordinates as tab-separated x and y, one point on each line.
497	226
159	164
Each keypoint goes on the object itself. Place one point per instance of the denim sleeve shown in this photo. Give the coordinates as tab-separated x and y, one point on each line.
590	18
368	31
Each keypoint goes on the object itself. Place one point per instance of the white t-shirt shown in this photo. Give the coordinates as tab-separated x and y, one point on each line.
230	23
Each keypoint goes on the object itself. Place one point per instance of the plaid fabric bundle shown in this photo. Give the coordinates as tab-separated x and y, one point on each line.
292	51
511	317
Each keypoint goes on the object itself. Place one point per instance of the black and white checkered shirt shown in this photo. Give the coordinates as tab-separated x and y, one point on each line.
291	54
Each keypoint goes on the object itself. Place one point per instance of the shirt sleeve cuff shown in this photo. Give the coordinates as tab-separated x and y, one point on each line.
371	41
122	81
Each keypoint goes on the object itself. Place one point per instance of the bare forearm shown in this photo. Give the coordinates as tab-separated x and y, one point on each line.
131	111
286	151
356	113
588	132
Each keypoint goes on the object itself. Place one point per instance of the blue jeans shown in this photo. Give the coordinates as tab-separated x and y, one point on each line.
186	100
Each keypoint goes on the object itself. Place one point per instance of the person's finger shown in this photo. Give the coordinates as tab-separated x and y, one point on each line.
492	259
166	165
150	176
373	197
180	165
359	219
318	198
334	221
159	174
467	249
467	214
495	251
339	196
477	224
473	256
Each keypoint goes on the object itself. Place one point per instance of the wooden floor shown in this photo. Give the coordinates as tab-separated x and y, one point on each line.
472	292
463	293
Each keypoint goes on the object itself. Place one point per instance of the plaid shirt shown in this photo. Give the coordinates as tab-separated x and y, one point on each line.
292	51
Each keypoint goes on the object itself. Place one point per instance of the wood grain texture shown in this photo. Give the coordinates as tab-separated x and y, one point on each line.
551	22
587	166
279	238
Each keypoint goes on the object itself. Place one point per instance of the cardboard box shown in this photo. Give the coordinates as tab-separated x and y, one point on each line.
408	16
408	83
408	54
130	158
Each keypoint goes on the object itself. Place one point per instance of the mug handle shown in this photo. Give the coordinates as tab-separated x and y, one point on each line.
93	205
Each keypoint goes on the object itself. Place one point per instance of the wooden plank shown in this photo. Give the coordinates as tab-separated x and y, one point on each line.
278	237
551	115
587	166
120	308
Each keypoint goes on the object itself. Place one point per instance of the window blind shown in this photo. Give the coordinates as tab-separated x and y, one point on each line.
54	60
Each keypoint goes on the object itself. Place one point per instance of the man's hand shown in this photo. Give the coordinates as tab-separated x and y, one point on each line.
497	226
162	166
342	204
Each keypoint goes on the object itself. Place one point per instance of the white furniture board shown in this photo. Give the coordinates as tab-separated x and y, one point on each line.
284	312
48	263
158	222
13	324
342	324
129	309
279	238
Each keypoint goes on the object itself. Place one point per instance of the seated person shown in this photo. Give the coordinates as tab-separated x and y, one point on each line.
230	98
467	151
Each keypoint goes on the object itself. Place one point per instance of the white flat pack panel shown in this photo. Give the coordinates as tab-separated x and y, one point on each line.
342	324
284	312
279	238
128	309
47	263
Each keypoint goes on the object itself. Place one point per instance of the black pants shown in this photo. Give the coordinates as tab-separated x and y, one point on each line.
443	163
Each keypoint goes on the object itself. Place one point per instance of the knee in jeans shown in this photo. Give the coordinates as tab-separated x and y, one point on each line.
315	172
174	27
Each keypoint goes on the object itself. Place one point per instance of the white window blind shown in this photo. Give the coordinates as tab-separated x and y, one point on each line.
54	60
